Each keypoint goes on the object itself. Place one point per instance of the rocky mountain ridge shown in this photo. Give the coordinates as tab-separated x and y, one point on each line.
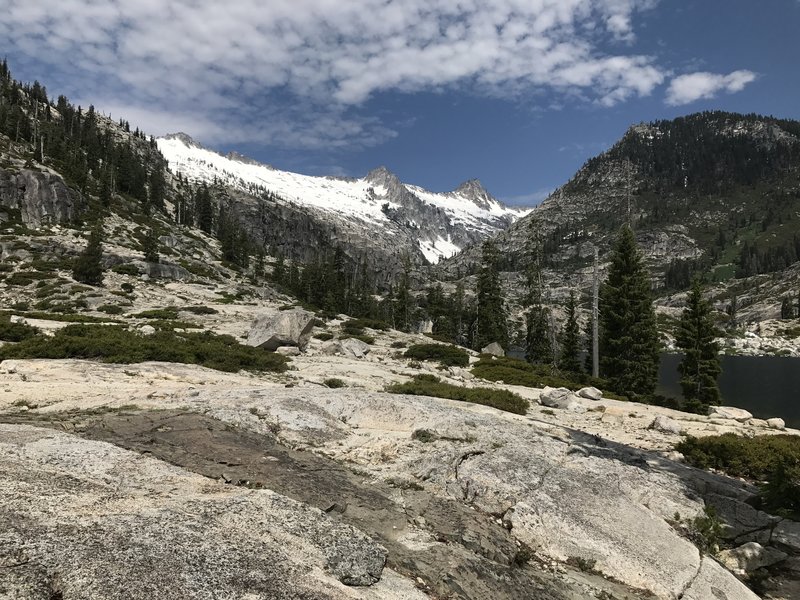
425	225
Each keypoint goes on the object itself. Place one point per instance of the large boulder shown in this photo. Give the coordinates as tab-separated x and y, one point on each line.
776	423
590	393
730	412
664	424
41	198
494	349
749	557
285	328
354	347
560	398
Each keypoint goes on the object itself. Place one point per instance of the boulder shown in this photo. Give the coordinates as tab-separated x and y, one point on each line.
284	328
494	349
590	393
664	424
354	347
749	557
713	582
776	423
17	319
560	398
730	412
147	330
787	533
288	350
165	271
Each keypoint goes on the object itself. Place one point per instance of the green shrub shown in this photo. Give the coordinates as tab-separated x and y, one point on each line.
773	460
111	309
448	356
15	332
127	269
366	324
201	310
334	383
399	344
114	344
169	313
324	336
126	287
367	339
24	278
429	385
706	530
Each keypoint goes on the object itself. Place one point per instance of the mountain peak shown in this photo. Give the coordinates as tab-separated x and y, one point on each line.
382	176
473	190
241	158
184	138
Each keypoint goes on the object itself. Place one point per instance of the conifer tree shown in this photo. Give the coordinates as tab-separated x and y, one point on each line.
700	365
88	267
491	323
404	302
570	339
150	246
538	344
279	268
787	310
629	347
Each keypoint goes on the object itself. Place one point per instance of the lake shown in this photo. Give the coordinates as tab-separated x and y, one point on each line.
767	386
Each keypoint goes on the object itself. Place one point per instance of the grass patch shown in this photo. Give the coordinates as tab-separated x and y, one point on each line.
448	356
111	309
127	269
324	336
25	278
429	385
366	324
118	345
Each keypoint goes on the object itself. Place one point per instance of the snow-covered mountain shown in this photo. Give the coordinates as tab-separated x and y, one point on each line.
434	225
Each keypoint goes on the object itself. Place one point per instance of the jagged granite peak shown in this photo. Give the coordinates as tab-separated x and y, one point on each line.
184	138
380	211
246	160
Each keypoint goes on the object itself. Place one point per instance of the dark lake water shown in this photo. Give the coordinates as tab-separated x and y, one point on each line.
767	386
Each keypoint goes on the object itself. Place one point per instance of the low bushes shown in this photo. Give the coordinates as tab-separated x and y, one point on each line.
15	332
448	356
200	310
118	345
429	385
773	460
365	323
169	313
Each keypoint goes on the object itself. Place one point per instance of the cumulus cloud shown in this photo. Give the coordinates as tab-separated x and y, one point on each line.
702	86
298	72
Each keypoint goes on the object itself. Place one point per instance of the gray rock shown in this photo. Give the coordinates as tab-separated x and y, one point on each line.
713	582
494	349
147	330
664	424
749	557
560	398
17	319
590	393
284	328
740	521
776	423
42	198
164	271
730	412
288	350
787	533
354	347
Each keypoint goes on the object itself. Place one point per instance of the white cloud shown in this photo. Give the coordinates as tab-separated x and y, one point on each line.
302	69
702	85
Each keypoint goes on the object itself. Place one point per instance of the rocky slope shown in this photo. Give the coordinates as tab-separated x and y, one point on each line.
374	213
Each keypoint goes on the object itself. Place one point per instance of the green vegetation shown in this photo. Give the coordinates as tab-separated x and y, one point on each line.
570	339
629	346
772	459
113	344
334	383
25	278
15	332
706	530
200	310
88	267
168	313
446	355
324	336
429	385
518	372
700	365
491	325
126	269
111	309
365	323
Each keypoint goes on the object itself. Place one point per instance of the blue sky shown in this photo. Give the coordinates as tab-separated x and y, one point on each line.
517	93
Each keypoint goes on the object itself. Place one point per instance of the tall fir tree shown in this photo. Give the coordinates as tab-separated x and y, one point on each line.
491	323
150	246
629	346
538	342
569	359
787	310
404	300
88	267
700	366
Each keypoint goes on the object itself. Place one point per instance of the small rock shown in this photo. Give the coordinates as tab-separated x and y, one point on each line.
664	424
757	423
560	398
494	349
590	393
776	423
731	412
17	319
288	350
749	557
147	330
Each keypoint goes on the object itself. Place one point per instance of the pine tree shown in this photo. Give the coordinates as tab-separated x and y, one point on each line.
88	267
491	323
279	268
150	246
538	348
787	310
570	339
404	302
629	352
700	365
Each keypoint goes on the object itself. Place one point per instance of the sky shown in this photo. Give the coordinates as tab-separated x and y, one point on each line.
516	93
